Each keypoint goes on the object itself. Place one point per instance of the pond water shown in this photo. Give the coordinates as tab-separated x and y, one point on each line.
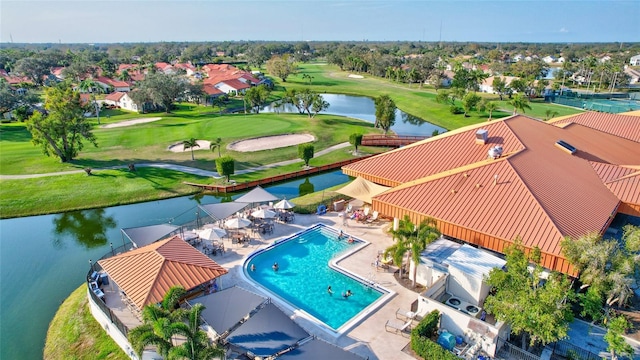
44	258
363	108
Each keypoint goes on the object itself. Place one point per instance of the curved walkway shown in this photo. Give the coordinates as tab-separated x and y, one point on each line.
175	167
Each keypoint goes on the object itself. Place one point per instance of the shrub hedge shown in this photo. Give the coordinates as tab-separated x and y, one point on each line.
421	341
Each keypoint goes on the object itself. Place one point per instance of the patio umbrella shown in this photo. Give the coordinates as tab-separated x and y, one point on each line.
284	204
212	233
263	214
237	223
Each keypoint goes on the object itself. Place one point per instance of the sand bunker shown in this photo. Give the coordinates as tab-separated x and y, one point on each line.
354	76
130	122
179	147
270	142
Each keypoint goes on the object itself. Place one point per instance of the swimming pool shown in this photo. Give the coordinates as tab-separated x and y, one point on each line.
304	274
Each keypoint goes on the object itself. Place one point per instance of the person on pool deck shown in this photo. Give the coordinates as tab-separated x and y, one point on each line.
253	267
329	290
275	266
347	294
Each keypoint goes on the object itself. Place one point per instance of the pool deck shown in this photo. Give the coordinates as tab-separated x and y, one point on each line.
368	338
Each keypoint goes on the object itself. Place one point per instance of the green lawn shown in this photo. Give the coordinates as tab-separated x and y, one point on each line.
78	191
149	142
75	334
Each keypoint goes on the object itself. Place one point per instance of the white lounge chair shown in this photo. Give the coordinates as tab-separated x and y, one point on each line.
373	218
405	315
398	327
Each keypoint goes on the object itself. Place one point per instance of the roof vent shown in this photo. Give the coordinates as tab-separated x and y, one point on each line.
481	136
495	152
565	146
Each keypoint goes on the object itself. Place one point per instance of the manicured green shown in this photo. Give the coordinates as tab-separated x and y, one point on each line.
149	142
409	98
78	191
75	334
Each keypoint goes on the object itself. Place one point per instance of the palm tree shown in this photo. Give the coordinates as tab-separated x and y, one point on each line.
216	144
197	345
519	102
90	86
190	144
160	323
490	107
550	114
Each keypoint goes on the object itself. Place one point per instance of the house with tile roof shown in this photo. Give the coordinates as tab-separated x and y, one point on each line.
488	184
121	100
108	84
486	85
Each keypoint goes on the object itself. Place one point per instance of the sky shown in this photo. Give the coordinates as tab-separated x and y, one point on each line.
90	21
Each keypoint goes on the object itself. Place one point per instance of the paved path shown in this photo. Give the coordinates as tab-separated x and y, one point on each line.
175	167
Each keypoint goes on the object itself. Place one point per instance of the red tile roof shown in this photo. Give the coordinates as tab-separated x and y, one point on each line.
115	96
236	84
624	126
542	193
145	274
623	181
112	82
434	155
211	90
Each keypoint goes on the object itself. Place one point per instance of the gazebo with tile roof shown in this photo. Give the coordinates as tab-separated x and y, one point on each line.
146	274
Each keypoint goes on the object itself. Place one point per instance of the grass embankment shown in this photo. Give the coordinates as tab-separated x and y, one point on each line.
410	98
75	334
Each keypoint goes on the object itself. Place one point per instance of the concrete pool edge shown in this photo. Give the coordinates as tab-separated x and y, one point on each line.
386	294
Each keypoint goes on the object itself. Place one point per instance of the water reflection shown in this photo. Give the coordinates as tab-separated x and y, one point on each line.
87	227
411	120
306	188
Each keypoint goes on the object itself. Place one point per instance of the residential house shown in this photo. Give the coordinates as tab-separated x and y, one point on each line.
453	275
604	59
121	100
488	184
187	67
211	92
164	67
232	87
518	57
58	72
561	60
549	59
13	79
487	84
634	75
109	85
635	60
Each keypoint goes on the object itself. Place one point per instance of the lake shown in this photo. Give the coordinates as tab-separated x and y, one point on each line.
44	258
363	108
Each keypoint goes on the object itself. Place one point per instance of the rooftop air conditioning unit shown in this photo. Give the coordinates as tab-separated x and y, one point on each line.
482	136
495	152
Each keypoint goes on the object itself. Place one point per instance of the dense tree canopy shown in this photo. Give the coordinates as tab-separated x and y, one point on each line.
64	129
533	307
281	66
256	96
161	89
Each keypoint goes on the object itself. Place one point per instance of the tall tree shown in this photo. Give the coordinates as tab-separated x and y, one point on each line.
32	67
488	106
225	166
163	89
536	309
500	86
64	129
355	140
90	86
617	344
305	152
281	66
385	112
190	144
213	145
469	102
519	102
196	345
256	96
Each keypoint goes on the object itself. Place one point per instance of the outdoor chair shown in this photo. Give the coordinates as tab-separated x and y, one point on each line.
405	315
373	218
322	209
398	327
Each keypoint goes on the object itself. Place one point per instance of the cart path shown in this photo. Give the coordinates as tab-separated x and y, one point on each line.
175	167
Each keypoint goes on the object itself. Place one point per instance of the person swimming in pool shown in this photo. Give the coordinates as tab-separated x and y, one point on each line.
329	290
253	267
275	266
350	240
347	294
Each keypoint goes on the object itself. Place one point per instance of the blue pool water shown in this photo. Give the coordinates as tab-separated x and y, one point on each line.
304	275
